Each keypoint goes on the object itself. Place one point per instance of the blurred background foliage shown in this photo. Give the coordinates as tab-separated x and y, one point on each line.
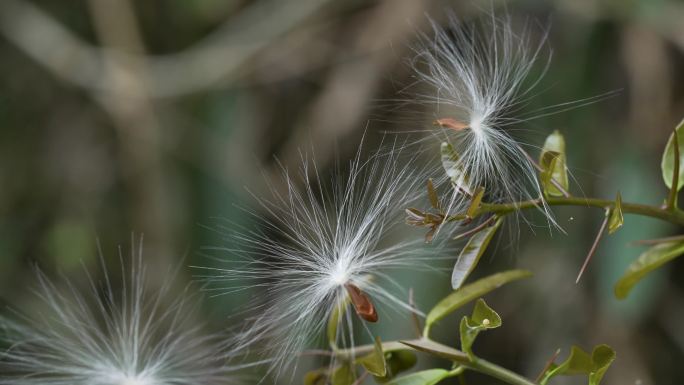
151	117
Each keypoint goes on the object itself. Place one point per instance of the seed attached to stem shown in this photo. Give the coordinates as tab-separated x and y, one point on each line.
451	123
362	303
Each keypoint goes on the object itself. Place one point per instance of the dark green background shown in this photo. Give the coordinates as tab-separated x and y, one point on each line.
80	163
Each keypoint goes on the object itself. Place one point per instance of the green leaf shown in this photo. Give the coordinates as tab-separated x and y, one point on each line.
471	253
601	358
650	260
667	165
344	375
397	362
437	350
334	320
475	202
375	362
432	196
616	218
548	164
453	169
483	318
425	377
467	293
316	377
578	362
554	165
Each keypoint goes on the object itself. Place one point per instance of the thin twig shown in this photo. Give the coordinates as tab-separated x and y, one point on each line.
414	315
361	378
317	352
593	248
547	365
476	229
675	216
674	238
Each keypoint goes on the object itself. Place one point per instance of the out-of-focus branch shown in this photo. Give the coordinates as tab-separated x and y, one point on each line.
207	64
127	101
50	44
349	89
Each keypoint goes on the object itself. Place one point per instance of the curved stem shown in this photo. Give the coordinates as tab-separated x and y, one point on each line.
675	216
496	371
476	364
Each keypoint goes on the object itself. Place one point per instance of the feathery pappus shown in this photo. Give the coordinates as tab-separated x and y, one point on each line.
135	336
324	249
480	76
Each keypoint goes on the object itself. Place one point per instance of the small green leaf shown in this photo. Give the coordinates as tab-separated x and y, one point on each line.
483	318
343	375
578	362
453	168
334	320
616	218
650	260
437	350
432	196
316	377
467	293
667	165
471	253
425	377
548	164
554	165
601	358
375	362
397	362
475	202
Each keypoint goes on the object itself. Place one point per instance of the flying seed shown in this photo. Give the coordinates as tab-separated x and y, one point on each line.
362	303
451	123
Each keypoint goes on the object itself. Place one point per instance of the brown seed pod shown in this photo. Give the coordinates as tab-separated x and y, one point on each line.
451	123
362	303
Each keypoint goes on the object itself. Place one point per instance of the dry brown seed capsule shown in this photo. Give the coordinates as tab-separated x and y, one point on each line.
451	123
362	303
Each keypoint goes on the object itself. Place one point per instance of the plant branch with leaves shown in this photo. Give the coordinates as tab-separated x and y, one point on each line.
553	178
386	360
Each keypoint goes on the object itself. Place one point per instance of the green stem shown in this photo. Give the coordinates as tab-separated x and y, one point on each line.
476	364
496	371
675	216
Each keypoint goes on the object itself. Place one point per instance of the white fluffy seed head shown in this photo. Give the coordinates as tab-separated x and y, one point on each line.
315	240
126	336
479	75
